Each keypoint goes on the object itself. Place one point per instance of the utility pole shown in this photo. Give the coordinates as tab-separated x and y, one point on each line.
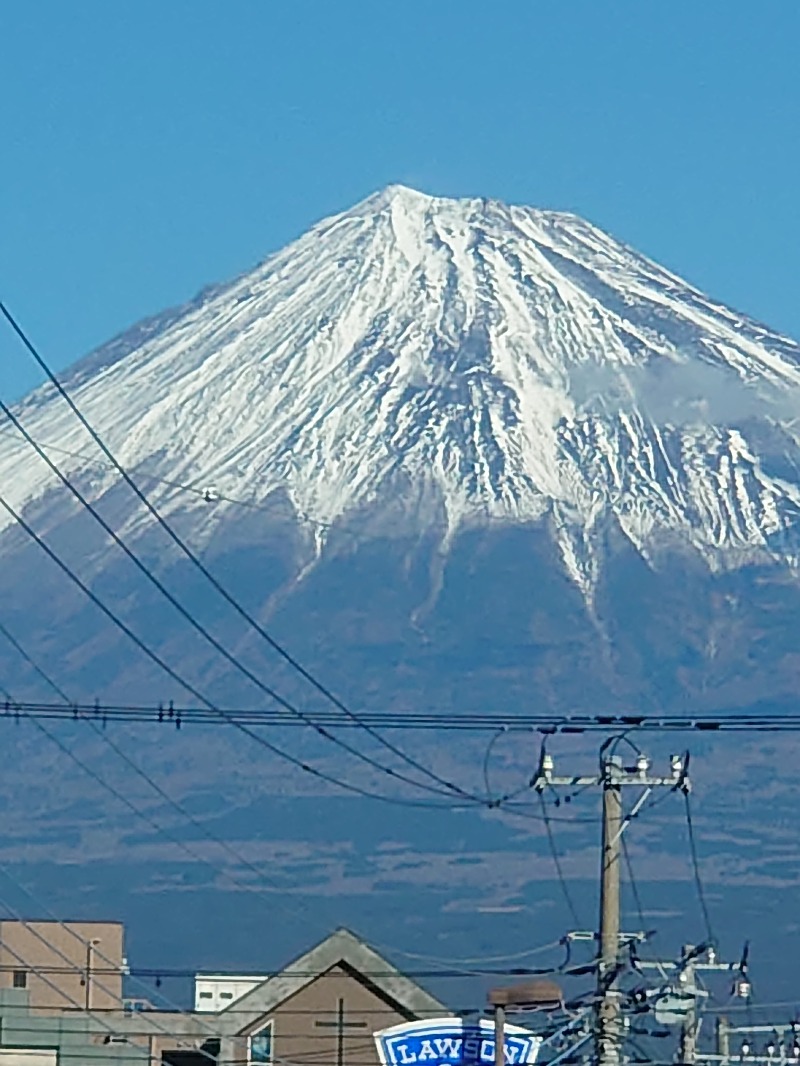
723	1040
688	1046
613	777
609	1035
680	996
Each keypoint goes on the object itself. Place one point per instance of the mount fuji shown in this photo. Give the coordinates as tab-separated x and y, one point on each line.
457	456
455	363
435	382
428	374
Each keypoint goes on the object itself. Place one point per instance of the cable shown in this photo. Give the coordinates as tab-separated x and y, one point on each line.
196	856
201	493
232	1010
557	863
102	734
484	958
186	814
487	755
156	658
698	881
99	715
166	973
163	972
632	881
12	640
170	712
101	712
99	984
198	563
450	971
209	637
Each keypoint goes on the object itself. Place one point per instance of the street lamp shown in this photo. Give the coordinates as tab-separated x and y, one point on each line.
90	946
527	995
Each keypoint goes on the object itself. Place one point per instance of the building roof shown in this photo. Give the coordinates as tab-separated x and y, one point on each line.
341	948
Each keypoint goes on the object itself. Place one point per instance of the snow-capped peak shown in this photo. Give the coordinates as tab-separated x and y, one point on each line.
461	360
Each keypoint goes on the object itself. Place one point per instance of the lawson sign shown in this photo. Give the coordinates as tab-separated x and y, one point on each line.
453	1042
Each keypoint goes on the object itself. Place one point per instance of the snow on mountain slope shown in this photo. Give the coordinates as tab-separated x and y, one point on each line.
472	360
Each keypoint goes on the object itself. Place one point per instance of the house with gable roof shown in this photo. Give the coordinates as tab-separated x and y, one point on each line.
324	1008
320	1010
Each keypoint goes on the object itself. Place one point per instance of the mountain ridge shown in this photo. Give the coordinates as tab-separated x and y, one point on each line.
478	362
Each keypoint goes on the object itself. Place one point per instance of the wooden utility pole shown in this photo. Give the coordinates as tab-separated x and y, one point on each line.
613	776
608	1035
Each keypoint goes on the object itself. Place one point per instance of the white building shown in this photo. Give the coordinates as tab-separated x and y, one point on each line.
215	992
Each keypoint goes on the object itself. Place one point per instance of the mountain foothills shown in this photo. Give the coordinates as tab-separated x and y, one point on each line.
458	455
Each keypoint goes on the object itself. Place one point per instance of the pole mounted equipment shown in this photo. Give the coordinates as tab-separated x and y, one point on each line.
612	778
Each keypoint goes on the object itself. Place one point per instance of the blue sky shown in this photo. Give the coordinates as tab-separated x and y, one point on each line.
149	148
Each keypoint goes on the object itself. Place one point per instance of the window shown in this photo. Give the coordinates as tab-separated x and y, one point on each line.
226	995
260	1046
131	1005
206	995
20	978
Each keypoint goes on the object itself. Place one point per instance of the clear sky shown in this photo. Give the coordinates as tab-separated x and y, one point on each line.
149	147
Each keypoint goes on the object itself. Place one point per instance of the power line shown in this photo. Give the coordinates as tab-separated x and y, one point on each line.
698	880
484	958
440	973
202	1020
557	863
486	757
167	973
98	716
632	881
127	803
448	970
155	1028
201	493
212	640
172	713
171	672
15	644
200	566
182	845
100	732
164	795
97	713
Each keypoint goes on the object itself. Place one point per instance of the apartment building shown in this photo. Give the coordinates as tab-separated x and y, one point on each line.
64	966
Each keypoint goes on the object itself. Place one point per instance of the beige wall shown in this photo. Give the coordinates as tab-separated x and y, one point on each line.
50	954
298	1038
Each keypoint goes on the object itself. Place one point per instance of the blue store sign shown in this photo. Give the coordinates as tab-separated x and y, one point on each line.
453	1042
